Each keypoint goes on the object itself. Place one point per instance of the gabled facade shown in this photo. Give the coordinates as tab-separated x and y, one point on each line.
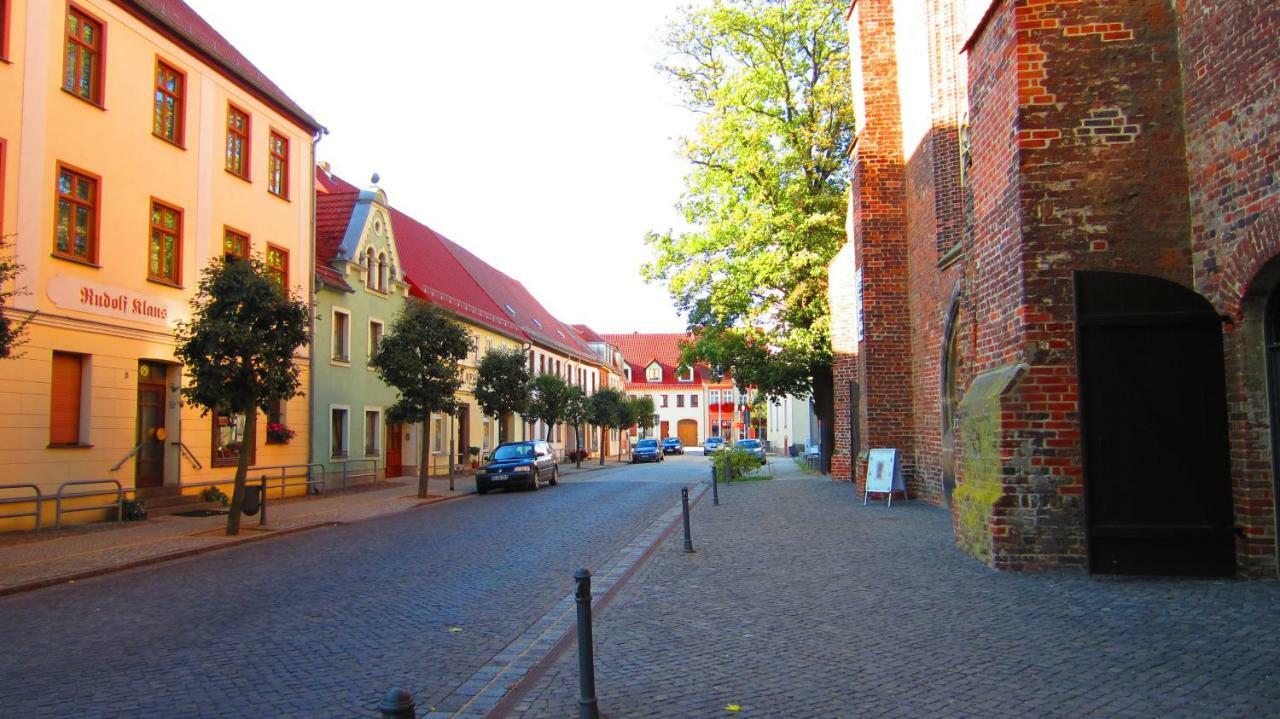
360	288
126	166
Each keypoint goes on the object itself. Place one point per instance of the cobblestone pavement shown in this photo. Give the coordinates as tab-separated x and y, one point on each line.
800	602
322	623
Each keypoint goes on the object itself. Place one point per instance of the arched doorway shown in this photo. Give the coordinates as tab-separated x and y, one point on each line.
950	399
1272	344
687	431
1154	414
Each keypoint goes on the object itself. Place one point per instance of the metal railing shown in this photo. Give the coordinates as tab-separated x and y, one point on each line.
191	456
347	476
118	492
310	474
125	458
38	499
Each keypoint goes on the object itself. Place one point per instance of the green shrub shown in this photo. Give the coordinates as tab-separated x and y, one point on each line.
735	463
133	510
213	494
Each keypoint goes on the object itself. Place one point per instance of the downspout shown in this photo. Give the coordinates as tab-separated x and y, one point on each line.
311	298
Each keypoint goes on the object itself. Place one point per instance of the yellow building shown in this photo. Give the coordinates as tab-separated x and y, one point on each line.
135	145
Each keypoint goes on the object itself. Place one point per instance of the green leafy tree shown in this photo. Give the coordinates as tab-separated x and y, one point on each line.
576	411
644	412
624	415
238	350
420	358
12	329
548	400
767	190
502	386
602	411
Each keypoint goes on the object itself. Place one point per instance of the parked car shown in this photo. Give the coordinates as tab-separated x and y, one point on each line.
519	464
672	445
646	450
713	445
753	446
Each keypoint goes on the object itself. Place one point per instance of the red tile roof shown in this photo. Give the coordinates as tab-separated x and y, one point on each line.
181	24
589	334
641	349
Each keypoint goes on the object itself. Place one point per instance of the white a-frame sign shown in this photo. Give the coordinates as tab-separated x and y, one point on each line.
884	476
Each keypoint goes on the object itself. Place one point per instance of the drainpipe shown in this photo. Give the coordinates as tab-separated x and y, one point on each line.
311	299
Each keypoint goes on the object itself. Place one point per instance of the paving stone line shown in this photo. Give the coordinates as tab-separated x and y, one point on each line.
487	686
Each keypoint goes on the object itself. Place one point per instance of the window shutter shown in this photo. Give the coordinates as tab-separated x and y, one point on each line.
64	410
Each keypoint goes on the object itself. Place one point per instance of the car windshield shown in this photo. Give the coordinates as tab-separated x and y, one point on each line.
514	451
671	440
649	443
715	440
749	443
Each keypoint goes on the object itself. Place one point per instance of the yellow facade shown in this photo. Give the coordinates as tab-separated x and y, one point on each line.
107	311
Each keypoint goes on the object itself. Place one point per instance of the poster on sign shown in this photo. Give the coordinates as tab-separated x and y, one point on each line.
884	476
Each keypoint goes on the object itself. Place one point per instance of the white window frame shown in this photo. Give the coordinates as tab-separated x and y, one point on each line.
346	339
369	340
346	432
649	372
377	437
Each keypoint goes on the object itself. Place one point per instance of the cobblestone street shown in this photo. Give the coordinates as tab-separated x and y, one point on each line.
800	602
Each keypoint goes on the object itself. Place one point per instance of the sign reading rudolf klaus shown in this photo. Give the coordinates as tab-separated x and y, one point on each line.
72	293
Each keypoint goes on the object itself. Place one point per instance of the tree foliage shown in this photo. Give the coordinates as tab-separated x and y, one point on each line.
609	409
548	400
502	386
643	411
238	350
766	195
420	358
577	410
12	329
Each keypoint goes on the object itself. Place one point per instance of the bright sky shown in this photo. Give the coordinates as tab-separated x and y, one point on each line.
537	135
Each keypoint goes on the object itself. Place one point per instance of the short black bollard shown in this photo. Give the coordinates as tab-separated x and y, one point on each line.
684	507
587	708
262	519
715	487
398	704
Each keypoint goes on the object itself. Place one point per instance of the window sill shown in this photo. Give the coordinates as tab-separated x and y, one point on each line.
338	456
237	175
77	260
340	361
224	463
167	141
284	198
165	282
84	99
68	445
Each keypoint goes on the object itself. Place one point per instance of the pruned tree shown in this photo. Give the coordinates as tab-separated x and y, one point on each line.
576	410
602	411
623	417
503	386
420	358
238	349
767	190
548	398
644	412
12	328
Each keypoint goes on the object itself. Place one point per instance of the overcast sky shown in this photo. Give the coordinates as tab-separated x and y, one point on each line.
537	135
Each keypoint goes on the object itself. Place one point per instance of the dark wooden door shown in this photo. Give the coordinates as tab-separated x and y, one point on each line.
1154	410
150	434
395	451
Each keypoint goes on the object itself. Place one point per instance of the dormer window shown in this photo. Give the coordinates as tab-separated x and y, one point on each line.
653	373
627	372
685	374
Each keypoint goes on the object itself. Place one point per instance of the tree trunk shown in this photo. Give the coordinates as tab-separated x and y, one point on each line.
502	427
550	428
602	439
577	432
424	466
620	444
242	470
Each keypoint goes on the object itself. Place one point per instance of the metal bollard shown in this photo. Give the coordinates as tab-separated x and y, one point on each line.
715	487
684	507
262	518
587	708
398	704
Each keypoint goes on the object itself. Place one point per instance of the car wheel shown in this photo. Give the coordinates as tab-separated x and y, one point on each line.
535	484
555	476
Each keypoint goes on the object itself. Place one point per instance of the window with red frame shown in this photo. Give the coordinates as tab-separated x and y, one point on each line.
278	266
278	166
4	29
82	60
164	258
235	244
167	119
237	142
76	227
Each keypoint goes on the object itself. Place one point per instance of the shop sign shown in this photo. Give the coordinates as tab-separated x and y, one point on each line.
73	293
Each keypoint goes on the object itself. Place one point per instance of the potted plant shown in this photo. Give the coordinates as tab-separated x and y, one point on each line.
278	433
475	456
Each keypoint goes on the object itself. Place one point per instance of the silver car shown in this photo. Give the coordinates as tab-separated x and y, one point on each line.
751	445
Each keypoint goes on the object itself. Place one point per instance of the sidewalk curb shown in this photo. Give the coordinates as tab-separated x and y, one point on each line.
184	553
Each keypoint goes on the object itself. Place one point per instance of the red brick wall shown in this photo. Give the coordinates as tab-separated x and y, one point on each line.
1231	70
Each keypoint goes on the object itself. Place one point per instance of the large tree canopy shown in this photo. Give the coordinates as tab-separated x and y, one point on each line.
502	386
766	195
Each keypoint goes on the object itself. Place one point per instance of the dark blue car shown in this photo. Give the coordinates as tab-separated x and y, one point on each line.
672	445
646	450
519	464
